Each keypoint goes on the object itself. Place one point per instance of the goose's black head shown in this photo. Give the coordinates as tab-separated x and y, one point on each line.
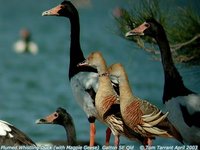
66	9
58	117
150	27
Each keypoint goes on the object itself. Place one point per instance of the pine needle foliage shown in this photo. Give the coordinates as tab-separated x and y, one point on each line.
182	27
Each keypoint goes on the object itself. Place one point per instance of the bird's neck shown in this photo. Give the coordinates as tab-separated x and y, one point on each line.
125	89
27	43
105	95
165	52
70	132
76	54
173	85
102	69
105	86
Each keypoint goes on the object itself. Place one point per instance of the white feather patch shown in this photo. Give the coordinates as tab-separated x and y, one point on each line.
10	135
4	128
192	103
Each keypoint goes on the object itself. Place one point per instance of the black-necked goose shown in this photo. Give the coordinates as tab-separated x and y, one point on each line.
11	136
63	118
83	80
182	103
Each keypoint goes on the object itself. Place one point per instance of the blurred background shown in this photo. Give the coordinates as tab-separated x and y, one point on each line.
33	86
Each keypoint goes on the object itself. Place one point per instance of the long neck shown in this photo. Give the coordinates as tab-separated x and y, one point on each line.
105	85
173	85
105	96
125	88
70	132
102	67
76	54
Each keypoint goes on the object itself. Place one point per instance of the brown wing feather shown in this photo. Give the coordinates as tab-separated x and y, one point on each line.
107	103
147	108
169	127
132	114
114	119
163	125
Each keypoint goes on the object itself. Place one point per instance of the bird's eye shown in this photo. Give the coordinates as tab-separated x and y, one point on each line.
55	115
147	25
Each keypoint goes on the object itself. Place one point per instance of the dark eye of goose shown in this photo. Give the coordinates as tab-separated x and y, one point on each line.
55	115
147	25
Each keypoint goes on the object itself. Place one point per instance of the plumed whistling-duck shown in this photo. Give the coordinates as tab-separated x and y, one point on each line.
107	101
140	115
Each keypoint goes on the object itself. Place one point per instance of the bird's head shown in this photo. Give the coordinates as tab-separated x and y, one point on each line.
56	118
95	59
150	27
66	9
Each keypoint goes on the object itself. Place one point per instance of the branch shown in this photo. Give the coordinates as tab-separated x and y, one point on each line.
180	45
173	47
152	50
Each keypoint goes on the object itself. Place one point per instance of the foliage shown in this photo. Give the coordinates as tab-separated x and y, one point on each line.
183	29
185	36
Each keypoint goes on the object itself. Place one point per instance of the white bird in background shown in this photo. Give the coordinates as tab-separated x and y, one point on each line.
25	44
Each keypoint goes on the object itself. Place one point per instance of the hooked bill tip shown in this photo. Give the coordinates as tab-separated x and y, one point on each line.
131	33
40	121
45	13
49	13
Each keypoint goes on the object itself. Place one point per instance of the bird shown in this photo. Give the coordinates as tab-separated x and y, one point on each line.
140	115
182	103
107	100
83	80
11	136
25	44
63	118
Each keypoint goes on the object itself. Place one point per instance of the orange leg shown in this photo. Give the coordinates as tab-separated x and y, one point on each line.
149	142
117	141
108	134
92	134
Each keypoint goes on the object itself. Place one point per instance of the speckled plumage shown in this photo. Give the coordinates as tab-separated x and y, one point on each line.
140	115
107	101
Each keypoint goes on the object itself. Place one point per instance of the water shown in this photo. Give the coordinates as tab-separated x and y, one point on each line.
33	86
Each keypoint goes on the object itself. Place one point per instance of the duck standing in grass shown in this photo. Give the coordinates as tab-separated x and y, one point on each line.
182	103
140	115
107	100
